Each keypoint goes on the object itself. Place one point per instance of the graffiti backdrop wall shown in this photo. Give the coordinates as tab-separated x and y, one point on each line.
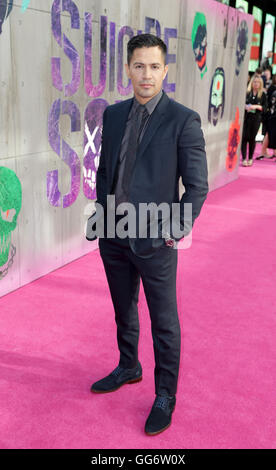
62	63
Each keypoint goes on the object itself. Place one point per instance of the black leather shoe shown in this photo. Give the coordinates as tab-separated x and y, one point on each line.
161	415
117	378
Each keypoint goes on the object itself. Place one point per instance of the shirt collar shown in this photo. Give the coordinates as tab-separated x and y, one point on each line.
151	104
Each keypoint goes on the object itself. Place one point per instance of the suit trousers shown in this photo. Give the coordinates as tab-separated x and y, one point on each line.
250	129
124	270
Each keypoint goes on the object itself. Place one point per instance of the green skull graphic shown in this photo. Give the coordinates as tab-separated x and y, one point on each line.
199	41
10	205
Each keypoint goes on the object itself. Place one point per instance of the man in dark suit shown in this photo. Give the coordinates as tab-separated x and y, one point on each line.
148	143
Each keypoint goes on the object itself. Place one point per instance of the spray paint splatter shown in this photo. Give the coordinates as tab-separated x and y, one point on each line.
25	4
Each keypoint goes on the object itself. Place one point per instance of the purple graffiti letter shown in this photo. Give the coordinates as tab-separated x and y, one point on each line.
96	90
171	58
53	193
69	156
152	23
125	30
112	56
69	49
56	30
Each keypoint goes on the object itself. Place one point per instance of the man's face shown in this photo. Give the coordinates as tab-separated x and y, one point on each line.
146	71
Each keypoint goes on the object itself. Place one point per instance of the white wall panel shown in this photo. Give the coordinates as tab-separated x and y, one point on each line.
42	110
7	108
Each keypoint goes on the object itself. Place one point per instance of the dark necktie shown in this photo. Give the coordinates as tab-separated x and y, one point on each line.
138	122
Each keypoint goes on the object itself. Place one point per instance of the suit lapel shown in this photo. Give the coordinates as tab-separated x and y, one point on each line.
157	118
120	120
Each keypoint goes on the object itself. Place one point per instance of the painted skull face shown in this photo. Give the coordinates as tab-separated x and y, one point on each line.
89	173
10	205
199	41
92	145
233	142
242	39
5	9
217	96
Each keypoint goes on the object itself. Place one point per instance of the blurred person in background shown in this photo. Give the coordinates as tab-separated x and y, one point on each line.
266	62
269	123
254	107
266	76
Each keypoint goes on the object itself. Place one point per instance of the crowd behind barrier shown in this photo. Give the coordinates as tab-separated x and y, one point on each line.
260	113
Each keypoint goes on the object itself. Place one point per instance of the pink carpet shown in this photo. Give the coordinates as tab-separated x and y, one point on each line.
58	337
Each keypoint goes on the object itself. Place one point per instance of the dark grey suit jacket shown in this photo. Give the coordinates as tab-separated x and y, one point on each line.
173	146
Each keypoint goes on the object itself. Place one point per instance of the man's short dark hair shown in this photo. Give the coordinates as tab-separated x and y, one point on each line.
145	40
268	67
